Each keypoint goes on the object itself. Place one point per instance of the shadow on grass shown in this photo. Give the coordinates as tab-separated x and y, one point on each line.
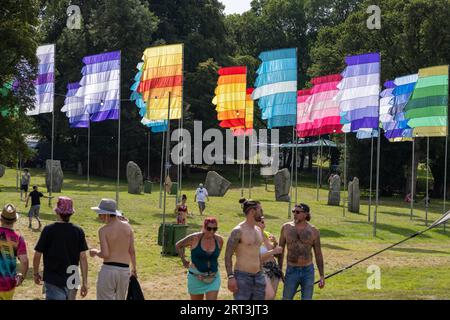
327	233
442	232
389	228
333	247
416	250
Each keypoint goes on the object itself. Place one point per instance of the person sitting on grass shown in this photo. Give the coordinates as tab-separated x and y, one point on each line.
12	246
35	196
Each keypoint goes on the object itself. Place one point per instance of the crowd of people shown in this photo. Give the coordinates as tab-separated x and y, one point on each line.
255	273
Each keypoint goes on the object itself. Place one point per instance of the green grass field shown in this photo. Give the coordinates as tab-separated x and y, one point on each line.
417	269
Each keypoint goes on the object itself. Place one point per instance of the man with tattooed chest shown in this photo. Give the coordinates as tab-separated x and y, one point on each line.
247	282
301	238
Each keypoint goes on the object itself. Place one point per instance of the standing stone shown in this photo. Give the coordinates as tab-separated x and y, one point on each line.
57	175
2	170
354	195
282	182
135	178
216	185
334	194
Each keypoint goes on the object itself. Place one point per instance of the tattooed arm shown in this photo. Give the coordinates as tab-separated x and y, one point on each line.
232	243
182	244
282	244
319	259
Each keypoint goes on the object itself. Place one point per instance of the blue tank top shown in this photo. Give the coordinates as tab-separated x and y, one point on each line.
204	261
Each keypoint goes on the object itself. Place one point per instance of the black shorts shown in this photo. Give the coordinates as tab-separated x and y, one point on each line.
24	187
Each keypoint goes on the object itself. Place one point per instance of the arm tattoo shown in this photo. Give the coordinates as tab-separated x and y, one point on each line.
183	243
318	255
282	244
232	243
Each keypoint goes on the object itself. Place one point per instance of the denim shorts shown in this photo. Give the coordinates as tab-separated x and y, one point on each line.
201	205
299	276
53	292
251	286
34	211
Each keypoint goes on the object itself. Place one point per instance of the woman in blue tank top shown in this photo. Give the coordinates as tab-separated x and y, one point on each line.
203	274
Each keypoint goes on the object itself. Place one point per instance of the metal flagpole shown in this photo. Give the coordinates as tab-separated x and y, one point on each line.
345	174
427	196
166	173
445	176
250	167
89	157
162	168
178	195
17	172
181	154
52	153
243	166
118	146
291	176
318	168
377	183
412	180
371	174
148	154
296	169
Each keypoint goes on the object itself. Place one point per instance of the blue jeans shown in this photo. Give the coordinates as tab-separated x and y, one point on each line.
251	286
53	292
299	276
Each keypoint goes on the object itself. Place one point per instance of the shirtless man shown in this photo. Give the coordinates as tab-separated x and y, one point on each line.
116	250
300	238
247	282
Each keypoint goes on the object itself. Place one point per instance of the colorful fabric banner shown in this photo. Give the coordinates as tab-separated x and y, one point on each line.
247	129
100	86
45	82
162	74
427	109
230	96
322	116
359	91
386	101
75	108
304	127
276	87
154	125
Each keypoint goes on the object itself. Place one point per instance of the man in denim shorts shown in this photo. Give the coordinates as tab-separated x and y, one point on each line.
301	238
247	282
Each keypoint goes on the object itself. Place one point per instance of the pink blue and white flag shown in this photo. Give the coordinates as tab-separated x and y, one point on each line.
358	95
74	107
100	86
45	82
276	87
386	101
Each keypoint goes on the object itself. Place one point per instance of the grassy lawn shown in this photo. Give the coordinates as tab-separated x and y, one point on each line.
417	269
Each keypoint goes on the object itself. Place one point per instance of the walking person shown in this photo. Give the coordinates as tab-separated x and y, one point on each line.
246	279
301	238
63	246
117	251
200	195
268	250
203	274
24	184
181	210
12	247
35	196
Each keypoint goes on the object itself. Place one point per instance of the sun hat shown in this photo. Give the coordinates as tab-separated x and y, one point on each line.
200	185
64	206
9	213
107	206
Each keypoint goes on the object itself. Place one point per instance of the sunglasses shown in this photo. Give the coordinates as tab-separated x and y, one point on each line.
298	211
212	229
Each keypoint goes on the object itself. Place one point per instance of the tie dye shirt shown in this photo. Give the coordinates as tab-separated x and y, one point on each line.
11	246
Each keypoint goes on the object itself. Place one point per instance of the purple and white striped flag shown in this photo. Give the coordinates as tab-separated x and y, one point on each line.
74	107
100	86
45	82
359	91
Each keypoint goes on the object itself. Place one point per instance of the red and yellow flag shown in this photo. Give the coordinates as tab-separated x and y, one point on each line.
247	129
162	73
230	96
